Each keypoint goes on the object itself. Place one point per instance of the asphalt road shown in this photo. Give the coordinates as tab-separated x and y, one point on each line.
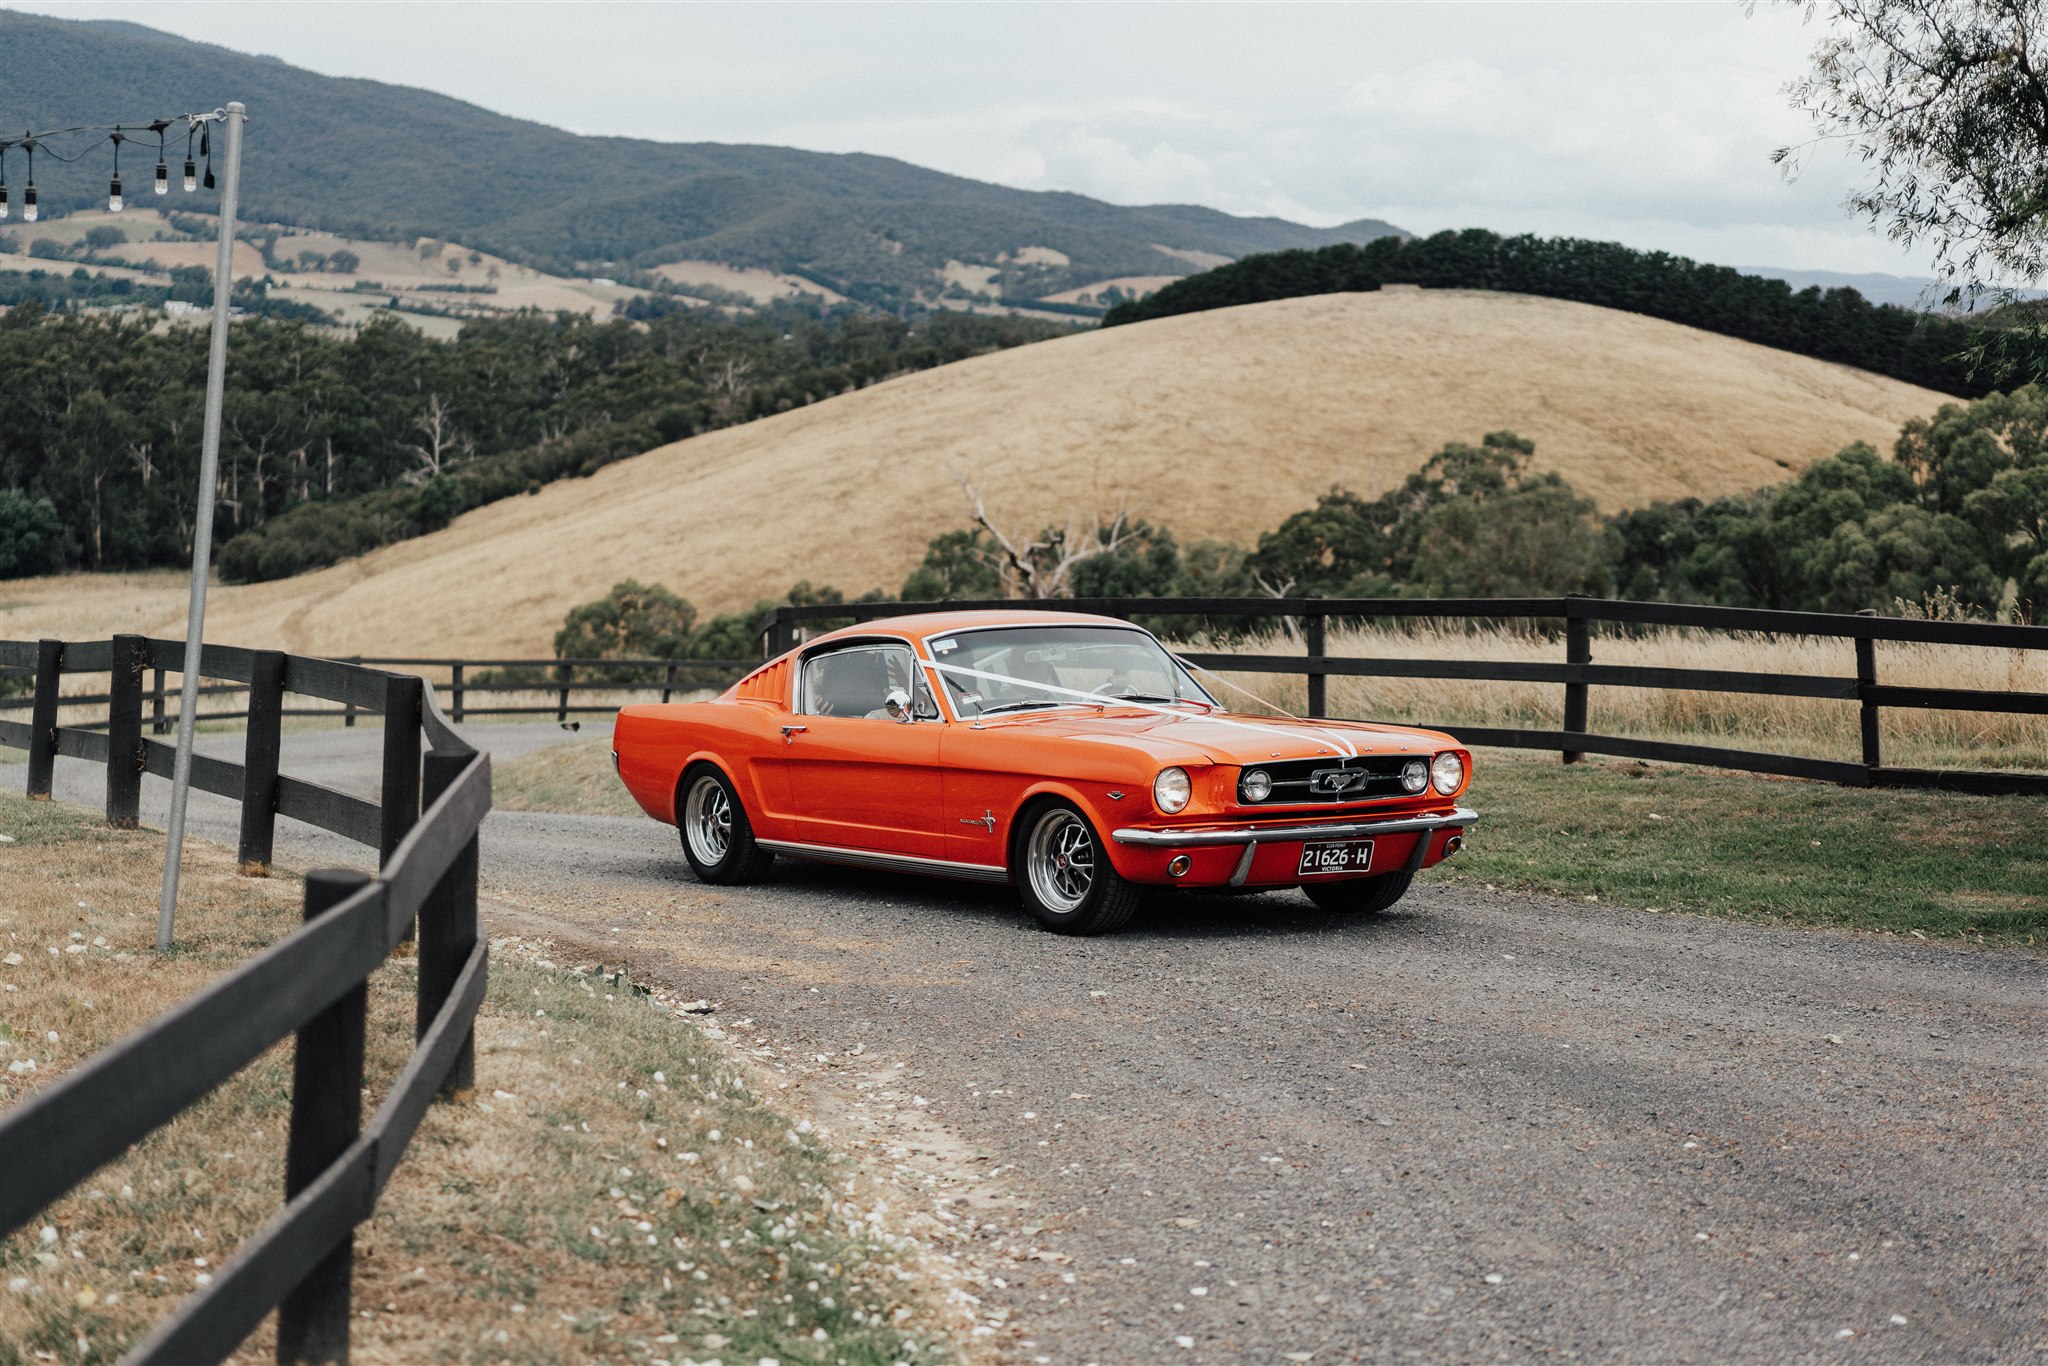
1480	1127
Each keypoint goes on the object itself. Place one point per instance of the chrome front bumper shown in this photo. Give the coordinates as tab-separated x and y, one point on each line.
1459	818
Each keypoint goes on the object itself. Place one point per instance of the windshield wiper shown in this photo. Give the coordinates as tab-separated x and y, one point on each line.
1155	697
1020	706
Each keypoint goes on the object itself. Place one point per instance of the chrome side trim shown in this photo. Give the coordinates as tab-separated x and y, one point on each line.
893	863
1459	818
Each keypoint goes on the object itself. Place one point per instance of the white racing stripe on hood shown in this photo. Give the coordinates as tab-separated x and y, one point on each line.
1333	739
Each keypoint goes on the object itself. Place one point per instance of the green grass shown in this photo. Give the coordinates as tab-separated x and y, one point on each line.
1756	848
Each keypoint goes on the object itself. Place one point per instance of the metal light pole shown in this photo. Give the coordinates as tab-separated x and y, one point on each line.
202	527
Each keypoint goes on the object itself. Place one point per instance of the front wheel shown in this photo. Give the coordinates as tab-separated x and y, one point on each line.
1069	886
1360	895
718	841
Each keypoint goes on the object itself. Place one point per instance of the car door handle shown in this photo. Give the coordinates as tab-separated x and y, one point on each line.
789	733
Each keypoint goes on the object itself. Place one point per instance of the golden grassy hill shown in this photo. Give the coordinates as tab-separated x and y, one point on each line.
1214	424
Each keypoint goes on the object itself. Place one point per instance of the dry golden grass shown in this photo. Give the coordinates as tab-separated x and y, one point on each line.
575	776
1792	725
1166	415
617	1190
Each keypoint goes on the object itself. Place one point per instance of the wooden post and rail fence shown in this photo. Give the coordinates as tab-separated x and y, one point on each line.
433	796
1576	671
310	984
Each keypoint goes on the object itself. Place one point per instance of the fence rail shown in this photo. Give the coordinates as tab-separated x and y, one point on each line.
565	678
311	984
1576	670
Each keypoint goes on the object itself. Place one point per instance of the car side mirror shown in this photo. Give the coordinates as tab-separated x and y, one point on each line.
897	704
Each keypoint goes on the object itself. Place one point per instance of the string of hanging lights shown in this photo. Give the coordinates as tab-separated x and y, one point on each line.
62	144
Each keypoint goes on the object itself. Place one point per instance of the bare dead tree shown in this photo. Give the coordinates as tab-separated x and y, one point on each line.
441	448
1044	567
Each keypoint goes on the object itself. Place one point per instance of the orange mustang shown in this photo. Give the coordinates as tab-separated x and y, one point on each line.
1071	754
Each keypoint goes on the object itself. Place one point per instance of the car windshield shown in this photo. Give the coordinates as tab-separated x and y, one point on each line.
1027	668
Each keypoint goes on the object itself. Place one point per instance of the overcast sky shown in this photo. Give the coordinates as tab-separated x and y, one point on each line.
1651	124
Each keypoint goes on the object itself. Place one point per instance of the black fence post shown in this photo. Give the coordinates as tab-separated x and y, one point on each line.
124	731
42	740
668	682
455	689
778	637
259	761
348	709
399	794
448	928
159	724
1312	633
1866	684
563	673
1578	649
327	1116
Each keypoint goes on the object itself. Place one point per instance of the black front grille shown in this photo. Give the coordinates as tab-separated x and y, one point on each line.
1297	781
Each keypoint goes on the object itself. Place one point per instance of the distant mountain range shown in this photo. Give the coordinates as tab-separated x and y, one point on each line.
370	159
1907	291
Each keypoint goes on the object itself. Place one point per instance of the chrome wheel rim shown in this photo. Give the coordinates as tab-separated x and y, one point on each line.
707	821
1060	861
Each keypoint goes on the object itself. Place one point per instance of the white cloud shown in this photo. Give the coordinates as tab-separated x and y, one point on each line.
1649	123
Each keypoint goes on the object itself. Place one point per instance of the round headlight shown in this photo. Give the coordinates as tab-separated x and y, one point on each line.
1256	785
1171	790
1414	776
1447	772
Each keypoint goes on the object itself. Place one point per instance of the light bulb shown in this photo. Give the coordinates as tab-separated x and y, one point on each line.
3	202
162	183
29	212
191	176
114	200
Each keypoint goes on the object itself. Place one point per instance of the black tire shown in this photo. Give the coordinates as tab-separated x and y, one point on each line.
1360	895
718	840
1065	874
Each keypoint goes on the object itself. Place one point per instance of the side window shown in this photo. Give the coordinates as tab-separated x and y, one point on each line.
857	682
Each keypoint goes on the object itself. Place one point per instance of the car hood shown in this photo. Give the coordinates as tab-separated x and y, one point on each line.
1180	735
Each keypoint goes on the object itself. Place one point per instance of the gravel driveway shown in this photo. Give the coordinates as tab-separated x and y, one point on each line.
1481	1127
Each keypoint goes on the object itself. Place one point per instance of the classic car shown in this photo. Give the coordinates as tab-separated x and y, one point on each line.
1072	755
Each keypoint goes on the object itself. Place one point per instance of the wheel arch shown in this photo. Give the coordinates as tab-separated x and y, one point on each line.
1041	795
706	759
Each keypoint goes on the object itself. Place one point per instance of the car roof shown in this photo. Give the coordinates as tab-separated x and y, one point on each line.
922	625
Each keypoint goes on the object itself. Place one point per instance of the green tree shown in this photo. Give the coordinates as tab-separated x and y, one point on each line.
633	620
957	566
103	235
31	536
1536	538
1945	103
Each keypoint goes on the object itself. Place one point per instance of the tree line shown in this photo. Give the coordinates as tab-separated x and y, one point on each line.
1933	351
332	445
1953	522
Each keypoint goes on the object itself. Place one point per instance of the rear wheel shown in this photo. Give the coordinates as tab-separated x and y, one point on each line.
718	841
1069	886
1360	895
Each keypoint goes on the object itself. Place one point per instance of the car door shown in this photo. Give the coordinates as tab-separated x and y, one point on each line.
859	778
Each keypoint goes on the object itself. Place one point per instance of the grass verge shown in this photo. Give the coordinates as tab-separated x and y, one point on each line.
1659	835
615	1191
1687	839
574	777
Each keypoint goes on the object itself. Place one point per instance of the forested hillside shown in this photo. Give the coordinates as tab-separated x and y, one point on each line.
868	226
1836	324
334	445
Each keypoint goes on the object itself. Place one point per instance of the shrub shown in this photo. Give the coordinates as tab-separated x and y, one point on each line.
31	536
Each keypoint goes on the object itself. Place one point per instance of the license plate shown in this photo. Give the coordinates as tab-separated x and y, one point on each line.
1354	856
